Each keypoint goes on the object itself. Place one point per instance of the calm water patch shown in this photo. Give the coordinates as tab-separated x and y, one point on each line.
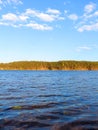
48	100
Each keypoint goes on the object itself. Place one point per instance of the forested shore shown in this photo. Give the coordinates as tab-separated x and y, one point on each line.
43	65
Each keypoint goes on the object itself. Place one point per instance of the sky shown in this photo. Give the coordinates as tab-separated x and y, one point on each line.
48	30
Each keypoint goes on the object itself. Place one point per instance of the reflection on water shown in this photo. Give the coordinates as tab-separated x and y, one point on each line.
48	100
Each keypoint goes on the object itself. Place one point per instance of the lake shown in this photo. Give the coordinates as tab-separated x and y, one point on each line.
48	100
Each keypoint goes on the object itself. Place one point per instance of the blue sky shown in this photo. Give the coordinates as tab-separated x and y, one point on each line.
48	30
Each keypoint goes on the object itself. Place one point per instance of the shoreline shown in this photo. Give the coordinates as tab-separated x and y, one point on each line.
54	66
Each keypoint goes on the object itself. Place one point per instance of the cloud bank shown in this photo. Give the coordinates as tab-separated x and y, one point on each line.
6	2
36	19
45	20
89	20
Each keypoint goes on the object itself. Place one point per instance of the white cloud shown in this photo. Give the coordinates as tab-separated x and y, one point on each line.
24	20
9	2
32	25
39	26
88	21
23	17
73	17
96	13
53	11
9	17
47	17
92	27
40	15
87	47
40	20
4	23
30	12
14	18
83	48
89	7
14	1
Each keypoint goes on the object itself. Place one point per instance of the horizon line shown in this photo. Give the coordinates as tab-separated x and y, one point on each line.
48	61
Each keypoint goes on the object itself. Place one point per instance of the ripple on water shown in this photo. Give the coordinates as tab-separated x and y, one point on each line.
45	100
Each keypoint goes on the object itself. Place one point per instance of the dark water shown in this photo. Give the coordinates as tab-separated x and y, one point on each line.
48	100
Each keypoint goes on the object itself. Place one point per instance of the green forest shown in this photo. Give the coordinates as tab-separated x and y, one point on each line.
43	65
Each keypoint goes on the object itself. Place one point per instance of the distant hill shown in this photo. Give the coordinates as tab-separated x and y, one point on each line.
43	65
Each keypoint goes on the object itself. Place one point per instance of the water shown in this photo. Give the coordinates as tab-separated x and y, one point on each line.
48	100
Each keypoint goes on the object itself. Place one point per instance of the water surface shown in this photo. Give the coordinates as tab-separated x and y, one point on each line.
48	100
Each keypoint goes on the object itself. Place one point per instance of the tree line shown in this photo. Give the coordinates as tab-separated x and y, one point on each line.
43	65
